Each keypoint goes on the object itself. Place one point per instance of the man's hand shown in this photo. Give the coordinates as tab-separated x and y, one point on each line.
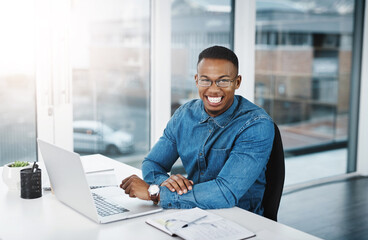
135	187
178	183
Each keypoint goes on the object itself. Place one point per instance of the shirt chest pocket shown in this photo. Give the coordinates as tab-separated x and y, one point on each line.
216	160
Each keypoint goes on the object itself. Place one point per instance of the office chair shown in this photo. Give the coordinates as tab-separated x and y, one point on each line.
275	176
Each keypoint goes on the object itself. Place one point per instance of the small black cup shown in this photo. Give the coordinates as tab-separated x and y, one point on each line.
30	183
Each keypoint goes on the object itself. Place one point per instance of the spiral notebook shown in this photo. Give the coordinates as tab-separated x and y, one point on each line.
198	224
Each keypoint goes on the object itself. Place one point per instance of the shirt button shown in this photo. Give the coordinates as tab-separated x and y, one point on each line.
210	130
200	154
202	173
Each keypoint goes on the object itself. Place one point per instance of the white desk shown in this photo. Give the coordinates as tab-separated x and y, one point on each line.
47	218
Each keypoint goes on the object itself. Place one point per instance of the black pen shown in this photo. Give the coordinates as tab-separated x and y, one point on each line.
196	220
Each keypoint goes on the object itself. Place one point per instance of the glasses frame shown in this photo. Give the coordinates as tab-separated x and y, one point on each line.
216	82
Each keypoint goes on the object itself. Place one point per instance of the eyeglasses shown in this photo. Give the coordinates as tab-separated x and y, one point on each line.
223	83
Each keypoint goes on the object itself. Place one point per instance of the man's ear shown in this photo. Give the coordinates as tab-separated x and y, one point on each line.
196	79
238	81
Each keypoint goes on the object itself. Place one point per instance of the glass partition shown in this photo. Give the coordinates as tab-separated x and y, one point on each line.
110	70
302	73
17	82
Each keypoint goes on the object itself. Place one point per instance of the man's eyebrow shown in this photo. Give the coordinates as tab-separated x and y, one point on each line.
222	76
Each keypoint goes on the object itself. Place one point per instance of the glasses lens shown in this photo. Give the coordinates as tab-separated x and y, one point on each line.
204	83
223	83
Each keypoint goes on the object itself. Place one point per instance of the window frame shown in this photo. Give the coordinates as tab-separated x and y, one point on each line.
362	132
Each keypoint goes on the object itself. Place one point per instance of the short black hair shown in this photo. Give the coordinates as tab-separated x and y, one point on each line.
219	52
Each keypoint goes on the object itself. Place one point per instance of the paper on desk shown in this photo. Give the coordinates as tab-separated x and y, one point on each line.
102	179
93	164
211	227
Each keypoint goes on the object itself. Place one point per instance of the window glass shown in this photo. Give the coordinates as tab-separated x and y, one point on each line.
110	70
17	82
195	25
303	68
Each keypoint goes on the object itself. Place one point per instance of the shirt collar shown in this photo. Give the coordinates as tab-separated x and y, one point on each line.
223	119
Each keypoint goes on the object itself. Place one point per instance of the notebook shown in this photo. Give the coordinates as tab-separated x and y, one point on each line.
70	186
198	224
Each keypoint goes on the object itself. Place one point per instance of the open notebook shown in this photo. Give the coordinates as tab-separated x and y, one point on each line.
198	224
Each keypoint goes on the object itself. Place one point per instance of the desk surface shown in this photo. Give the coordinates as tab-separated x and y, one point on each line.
47	218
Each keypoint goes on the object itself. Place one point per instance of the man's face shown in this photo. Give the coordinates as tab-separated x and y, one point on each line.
216	99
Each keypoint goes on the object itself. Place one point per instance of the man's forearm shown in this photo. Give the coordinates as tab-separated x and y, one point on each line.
153	173
207	195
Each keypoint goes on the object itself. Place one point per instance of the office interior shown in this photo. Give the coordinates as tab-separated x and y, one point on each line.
106	76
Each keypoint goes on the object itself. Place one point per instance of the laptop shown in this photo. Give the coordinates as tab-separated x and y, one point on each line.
70	186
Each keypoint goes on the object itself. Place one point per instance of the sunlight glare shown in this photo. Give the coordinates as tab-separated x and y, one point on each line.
17	44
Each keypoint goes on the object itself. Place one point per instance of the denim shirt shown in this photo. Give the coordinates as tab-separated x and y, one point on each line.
224	156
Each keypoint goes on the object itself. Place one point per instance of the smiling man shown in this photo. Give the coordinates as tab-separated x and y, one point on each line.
223	140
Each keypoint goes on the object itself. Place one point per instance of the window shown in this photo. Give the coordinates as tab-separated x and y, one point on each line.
17	82
303	67
110	71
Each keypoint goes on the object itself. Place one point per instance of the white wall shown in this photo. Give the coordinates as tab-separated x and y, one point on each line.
160	67
244	45
53	73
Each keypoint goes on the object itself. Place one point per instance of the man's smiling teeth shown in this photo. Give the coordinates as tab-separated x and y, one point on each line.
214	99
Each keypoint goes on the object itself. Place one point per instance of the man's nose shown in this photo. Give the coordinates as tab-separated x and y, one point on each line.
214	87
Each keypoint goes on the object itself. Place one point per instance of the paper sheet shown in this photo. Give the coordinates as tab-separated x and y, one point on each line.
101	179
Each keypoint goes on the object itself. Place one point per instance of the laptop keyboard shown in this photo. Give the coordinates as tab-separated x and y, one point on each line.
105	208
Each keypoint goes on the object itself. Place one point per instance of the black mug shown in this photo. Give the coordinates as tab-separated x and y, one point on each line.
30	183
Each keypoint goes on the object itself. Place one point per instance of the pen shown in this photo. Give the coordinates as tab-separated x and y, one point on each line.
196	220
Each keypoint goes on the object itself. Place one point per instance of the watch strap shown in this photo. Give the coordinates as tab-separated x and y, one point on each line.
155	198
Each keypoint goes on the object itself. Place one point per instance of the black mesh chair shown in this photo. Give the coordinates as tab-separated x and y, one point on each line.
275	176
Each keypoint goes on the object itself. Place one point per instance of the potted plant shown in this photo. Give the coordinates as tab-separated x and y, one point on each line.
11	174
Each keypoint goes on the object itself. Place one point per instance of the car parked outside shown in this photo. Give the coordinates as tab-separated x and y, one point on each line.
97	137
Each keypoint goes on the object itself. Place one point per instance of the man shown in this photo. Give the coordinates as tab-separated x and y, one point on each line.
223	140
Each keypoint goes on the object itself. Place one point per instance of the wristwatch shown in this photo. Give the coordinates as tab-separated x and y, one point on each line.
154	192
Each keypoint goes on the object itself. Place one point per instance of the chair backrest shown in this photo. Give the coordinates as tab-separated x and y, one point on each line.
275	176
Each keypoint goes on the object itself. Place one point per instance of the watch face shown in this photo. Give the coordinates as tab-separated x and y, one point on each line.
154	189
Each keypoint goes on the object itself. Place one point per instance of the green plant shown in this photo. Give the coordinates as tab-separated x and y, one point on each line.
19	164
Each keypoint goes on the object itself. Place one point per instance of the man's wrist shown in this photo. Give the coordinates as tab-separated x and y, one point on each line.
156	199
154	193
